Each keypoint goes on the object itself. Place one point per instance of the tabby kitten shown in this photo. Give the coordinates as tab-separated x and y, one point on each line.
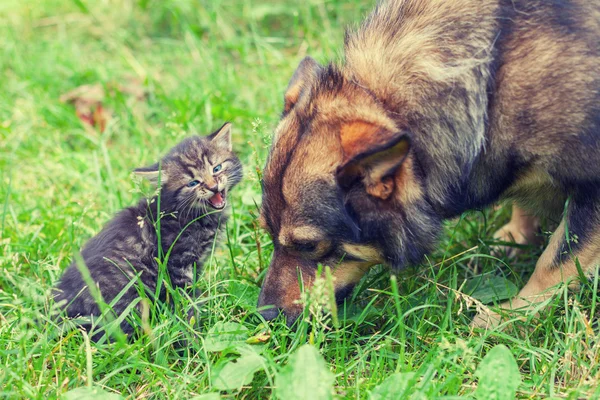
195	178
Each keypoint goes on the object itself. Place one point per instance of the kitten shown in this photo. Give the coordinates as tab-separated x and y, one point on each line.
195	178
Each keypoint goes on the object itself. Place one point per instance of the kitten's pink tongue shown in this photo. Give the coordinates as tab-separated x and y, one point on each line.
217	200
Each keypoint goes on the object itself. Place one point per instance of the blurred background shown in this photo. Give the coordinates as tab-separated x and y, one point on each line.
90	90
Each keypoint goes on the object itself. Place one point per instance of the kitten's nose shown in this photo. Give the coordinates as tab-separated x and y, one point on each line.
213	189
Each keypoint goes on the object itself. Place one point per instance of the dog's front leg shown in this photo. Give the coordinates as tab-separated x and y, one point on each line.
521	229
557	263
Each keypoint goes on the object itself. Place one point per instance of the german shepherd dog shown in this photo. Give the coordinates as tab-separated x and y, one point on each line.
438	107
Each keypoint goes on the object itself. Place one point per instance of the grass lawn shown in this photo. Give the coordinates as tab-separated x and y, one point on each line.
201	63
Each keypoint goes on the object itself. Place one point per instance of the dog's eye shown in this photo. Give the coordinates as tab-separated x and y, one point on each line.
193	183
311	249
305	247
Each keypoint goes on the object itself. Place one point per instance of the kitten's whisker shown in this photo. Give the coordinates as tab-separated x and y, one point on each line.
186	205
189	206
189	209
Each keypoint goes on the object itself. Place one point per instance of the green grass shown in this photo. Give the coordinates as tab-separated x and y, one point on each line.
205	62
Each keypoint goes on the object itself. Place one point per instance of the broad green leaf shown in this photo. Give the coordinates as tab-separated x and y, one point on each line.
396	386
305	377
225	335
498	375
246	294
236	373
489	288
208	396
94	393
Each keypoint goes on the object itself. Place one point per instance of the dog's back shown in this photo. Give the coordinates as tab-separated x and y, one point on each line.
546	104
518	78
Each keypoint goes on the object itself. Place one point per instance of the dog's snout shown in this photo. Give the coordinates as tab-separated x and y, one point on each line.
271	313
281	289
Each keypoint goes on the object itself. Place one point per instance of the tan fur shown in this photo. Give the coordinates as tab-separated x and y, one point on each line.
523	229
300	233
366	253
408	190
352	137
417	56
438	108
350	273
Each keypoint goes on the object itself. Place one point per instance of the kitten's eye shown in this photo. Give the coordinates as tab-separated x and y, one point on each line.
217	168
193	183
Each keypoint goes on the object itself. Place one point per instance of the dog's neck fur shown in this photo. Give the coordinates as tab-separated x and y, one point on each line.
431	59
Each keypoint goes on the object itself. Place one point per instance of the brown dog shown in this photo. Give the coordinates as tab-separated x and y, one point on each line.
439	107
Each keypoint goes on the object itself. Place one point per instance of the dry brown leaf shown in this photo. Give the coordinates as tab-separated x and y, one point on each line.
87	100
133	87
262	337
88	94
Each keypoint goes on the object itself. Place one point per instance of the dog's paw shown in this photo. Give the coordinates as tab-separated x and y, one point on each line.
517	234
487	320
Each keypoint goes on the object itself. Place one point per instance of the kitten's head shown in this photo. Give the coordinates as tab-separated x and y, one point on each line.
198	173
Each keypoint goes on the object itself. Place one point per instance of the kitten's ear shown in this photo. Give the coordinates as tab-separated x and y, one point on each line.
222	137
152	173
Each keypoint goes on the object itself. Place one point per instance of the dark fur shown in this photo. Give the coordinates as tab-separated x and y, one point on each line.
129	244
500	100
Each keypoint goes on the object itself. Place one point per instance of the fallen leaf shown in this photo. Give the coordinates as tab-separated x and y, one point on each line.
87	100
133	87
262	337
88	94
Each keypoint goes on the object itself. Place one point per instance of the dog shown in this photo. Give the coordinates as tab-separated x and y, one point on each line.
439	107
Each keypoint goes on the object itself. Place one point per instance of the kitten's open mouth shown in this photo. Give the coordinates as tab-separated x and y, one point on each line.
218	201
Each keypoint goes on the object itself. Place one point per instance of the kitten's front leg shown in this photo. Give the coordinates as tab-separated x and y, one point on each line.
183	268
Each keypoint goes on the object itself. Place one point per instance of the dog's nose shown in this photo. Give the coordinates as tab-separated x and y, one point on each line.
270	313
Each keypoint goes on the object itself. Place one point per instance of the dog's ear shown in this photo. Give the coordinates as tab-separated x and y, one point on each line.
152	173
372	154
222	137
305	73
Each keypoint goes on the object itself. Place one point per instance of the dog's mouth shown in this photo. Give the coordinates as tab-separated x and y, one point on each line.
218	200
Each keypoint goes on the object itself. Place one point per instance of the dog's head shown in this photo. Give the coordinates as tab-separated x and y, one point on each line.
337	182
